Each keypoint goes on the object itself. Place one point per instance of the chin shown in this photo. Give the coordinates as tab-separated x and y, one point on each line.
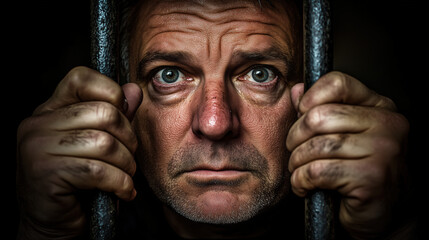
222	207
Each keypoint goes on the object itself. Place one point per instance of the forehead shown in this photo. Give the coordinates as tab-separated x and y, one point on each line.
194	24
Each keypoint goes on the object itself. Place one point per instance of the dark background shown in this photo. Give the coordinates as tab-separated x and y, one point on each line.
382	43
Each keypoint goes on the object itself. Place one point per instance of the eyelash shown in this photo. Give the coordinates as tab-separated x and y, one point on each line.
276	73
151	75
274	70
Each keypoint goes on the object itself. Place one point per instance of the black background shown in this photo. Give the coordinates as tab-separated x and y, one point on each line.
382	43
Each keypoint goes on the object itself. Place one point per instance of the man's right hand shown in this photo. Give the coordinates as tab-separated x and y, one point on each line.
80	139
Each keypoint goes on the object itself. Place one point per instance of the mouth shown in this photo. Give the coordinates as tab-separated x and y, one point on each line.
217	162
209	176
207	173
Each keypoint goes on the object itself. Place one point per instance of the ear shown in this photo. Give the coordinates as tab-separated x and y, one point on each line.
297	92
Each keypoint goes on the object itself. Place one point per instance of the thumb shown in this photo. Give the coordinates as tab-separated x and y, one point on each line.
296	94
134	97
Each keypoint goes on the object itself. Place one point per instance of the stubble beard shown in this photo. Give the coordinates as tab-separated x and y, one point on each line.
268	192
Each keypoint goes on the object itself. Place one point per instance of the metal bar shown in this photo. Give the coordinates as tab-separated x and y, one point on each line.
319	207
104	55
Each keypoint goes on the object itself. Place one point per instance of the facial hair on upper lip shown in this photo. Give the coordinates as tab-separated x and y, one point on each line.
232	156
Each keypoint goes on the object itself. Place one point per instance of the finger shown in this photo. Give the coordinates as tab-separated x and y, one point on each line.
327	119
134	97
92	144
101	116
322	174
89	174
297	92
336	87
84	84
331	146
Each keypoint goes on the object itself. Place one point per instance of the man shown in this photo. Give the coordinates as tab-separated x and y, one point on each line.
223	137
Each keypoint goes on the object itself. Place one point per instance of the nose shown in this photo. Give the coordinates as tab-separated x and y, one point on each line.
215	119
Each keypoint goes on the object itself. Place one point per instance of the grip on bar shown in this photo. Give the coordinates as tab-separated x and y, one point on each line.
104	55
319	207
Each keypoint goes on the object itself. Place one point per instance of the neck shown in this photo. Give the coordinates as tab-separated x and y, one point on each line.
188	229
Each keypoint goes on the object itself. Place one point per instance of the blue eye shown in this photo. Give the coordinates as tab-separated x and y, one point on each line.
260	75
169	75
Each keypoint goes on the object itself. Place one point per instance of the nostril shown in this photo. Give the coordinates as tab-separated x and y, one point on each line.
200	134
197	133
213	121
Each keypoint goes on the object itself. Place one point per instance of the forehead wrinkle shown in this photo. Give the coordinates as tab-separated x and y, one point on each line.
203	15
189	21
201	9
165	12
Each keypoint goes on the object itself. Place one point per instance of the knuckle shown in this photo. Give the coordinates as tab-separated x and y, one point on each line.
76	76
115	95
24	127
105	143
314	171
327	144
95	170
323	173
338	82
314	118
107	115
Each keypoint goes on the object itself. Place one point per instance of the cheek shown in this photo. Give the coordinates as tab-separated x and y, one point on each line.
160	131
267	129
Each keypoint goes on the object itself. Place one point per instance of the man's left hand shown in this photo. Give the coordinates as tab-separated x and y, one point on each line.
351	140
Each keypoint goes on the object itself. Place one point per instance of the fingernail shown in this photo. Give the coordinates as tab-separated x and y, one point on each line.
125	105
133	194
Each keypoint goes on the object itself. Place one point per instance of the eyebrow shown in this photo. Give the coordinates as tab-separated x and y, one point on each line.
270	54
239	57
175	56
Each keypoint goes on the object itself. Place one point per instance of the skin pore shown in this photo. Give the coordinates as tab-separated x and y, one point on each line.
216	76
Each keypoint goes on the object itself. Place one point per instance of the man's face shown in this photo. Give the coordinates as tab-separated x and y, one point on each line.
216	111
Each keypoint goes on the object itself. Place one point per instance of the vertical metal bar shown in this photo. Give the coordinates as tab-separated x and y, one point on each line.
319	209
104	51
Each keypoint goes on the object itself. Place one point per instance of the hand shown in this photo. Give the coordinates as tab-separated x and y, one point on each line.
348	139
80	139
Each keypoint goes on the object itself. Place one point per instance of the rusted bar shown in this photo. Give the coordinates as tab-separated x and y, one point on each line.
319	207
104	55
